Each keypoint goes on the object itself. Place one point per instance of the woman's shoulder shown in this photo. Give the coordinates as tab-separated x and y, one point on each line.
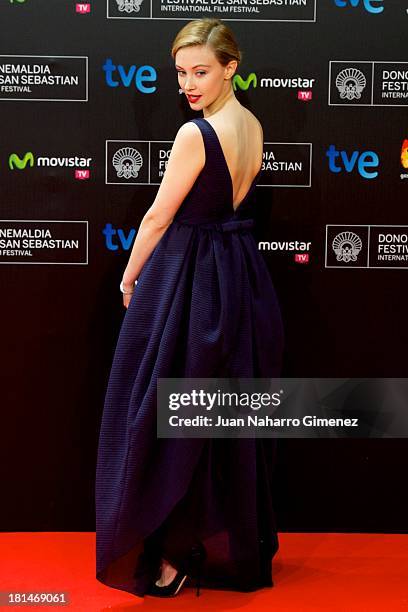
188	144
189	133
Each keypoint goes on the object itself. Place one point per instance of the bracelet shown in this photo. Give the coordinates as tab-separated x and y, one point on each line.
122	289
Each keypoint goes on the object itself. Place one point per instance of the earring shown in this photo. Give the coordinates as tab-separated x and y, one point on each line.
180	91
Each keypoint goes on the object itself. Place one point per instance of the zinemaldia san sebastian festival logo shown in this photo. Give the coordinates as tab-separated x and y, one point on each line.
27	241
366	246
368	83
54	78
287	10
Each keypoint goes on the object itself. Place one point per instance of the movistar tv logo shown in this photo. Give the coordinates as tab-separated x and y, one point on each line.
81	164
304	85
20	1
16	162
238	81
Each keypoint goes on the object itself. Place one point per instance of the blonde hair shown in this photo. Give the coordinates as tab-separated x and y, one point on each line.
212	32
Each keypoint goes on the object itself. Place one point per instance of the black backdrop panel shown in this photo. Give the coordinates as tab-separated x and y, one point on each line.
80	84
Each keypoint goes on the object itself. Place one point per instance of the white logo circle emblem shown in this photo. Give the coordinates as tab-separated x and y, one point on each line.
347	246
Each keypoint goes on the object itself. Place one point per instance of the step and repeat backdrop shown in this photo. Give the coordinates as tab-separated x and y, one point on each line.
90	107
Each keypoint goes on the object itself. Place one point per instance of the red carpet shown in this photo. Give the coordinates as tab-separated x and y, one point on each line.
313	571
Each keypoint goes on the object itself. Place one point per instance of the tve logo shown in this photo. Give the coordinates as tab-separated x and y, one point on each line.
113	237
340	161
118	75
371	6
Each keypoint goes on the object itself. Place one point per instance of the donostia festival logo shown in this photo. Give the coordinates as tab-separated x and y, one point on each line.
347	246
350	83
127	162
129	6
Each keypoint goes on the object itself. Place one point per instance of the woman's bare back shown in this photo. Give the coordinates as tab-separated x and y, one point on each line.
241	138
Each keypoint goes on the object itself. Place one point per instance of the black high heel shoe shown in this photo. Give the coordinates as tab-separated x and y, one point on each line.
192	567
198	555
171	589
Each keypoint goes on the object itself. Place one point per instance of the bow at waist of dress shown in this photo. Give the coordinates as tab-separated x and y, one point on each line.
228	225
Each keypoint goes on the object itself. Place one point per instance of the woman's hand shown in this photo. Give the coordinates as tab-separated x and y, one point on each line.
126	299
129	288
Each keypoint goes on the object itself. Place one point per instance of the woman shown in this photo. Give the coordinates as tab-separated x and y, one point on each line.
204	306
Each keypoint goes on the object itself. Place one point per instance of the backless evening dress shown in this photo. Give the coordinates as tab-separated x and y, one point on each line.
204	306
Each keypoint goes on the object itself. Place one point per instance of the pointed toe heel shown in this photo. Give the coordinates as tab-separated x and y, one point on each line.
171	589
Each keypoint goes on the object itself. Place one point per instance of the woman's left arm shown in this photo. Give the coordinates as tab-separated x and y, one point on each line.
186	160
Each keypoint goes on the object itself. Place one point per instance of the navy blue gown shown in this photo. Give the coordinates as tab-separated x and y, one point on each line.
204	306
